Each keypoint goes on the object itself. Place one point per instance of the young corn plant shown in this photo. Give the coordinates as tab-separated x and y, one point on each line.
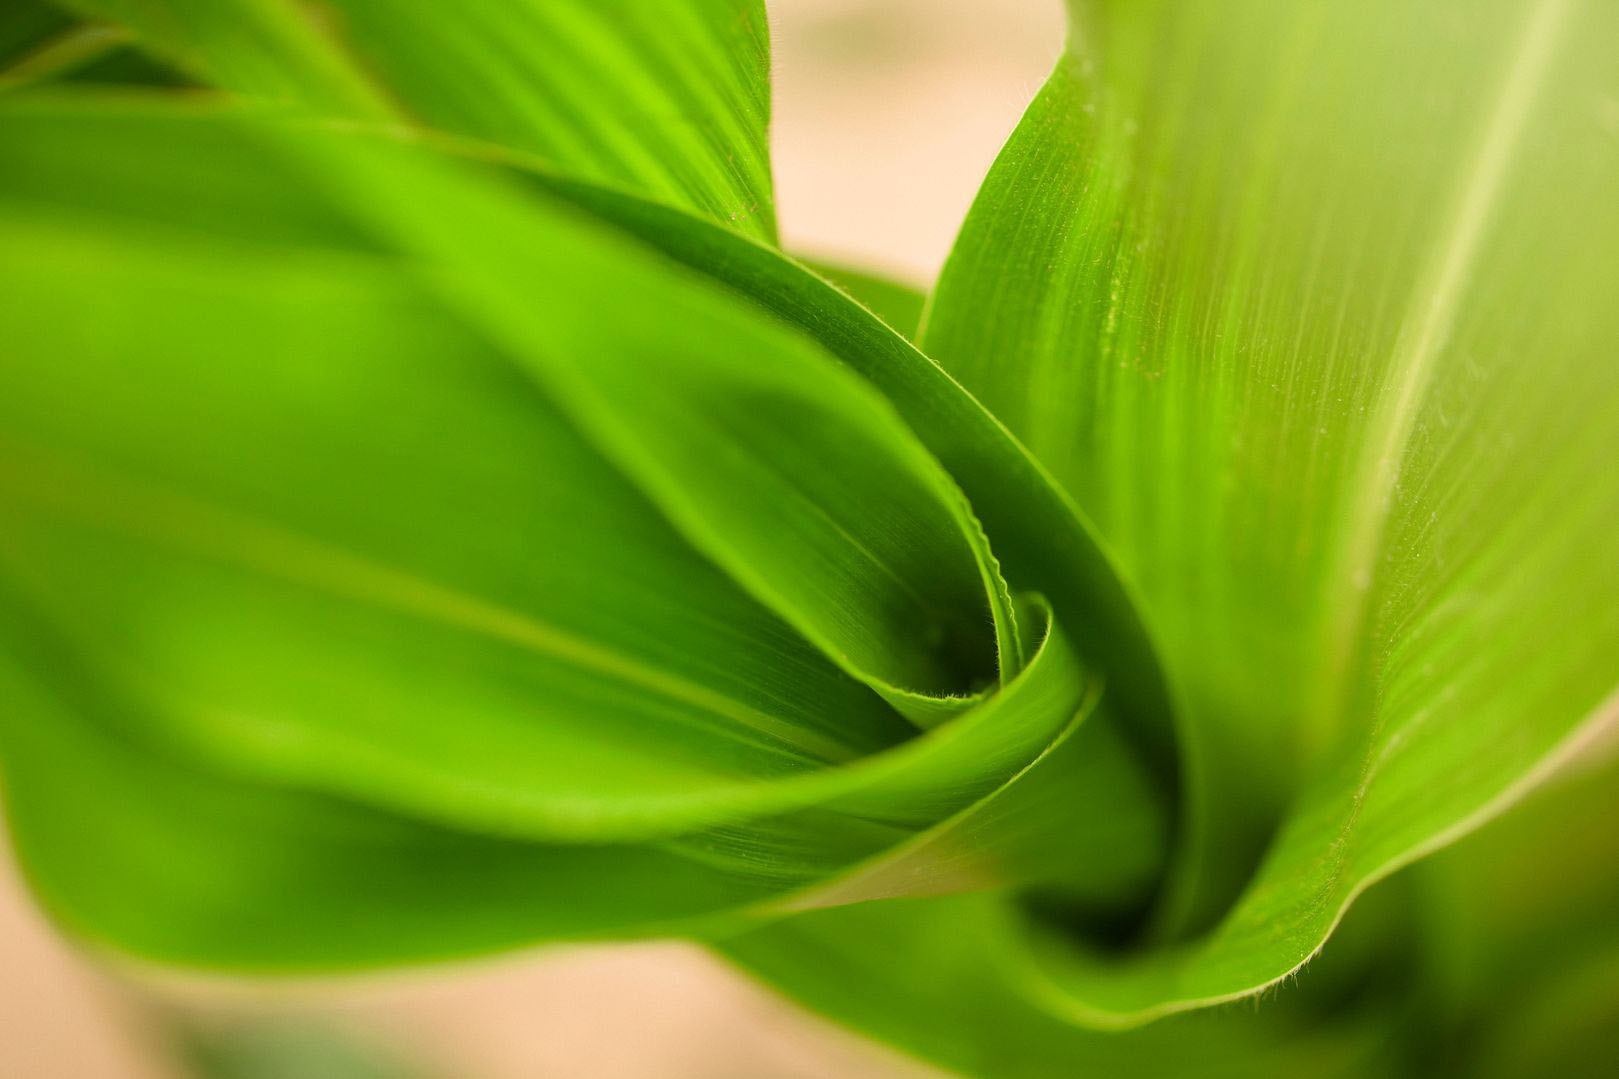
439	518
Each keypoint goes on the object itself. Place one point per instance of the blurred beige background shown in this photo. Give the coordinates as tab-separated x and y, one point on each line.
887	114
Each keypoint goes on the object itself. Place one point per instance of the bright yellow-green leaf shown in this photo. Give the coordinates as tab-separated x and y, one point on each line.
437	518
668	99
1311	308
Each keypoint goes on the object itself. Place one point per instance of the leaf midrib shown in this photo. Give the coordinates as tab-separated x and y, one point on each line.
1431	317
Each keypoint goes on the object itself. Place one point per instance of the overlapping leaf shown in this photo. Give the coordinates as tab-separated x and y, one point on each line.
437	519
1312	310
666	99
459	611
1472	962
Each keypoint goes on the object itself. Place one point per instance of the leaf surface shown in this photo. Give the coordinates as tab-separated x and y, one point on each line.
896	302
370	567
928	976
670	100
1312	309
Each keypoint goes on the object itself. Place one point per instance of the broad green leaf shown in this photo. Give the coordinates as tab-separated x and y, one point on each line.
792	474
668	99
1042	542
1068	809
1052	550
1263	320
838	569
141	854
1495	957
308	577
1311	308
144	853
972	444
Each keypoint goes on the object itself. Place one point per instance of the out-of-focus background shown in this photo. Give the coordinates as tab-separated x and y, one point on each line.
887	114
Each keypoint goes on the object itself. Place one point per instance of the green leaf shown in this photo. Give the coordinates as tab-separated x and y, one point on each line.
138	853
897	303
438	519
369	319
1004	487
262	48
670	100
415	527
1496	957
928	976
309	576
790	473
38	43
1311	309
1041	540
148	854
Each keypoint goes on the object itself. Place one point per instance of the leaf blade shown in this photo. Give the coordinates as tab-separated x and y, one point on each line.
670	100
1222	247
